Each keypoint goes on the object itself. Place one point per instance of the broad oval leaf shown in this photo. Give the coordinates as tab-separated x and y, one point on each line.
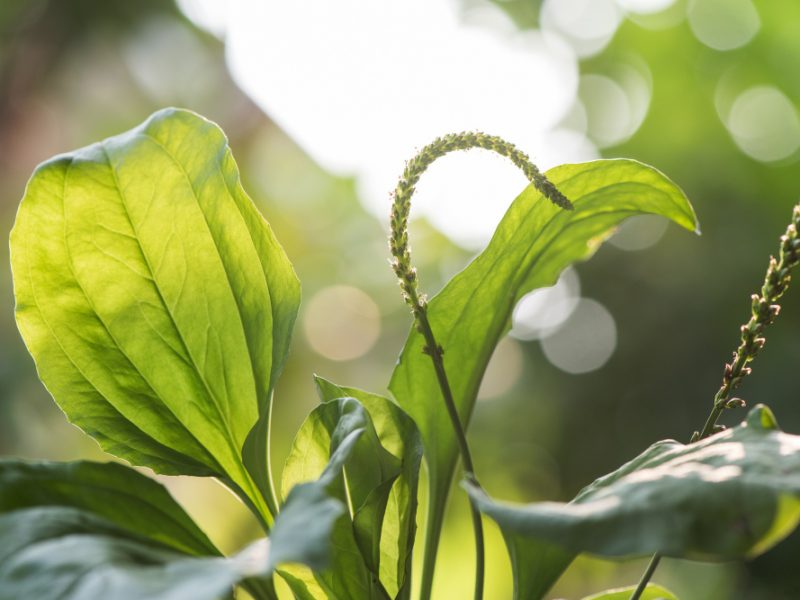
735	494
116	493
534	242
156	301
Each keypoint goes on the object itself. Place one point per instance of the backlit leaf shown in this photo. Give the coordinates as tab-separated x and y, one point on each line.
399	435
534	242
156	301
369	471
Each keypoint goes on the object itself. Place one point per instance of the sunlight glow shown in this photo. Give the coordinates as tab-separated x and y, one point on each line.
541	312
585	342
361	86
589	25
503	371
341	322
764	124
723	24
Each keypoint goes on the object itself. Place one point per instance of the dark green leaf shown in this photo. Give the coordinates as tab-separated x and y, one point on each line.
534	242
535	564
156	301
112	491
735	494
70	539
57	553
399	435
651	592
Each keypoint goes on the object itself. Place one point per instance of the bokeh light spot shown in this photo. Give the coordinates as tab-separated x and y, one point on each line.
585	342
542	311
589	25
503	371
723	24
343	80
615	108
764	124
639	232
341	322
645	7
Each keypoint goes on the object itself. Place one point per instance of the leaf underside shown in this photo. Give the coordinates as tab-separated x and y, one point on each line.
78	531
733	495
57	553
112	491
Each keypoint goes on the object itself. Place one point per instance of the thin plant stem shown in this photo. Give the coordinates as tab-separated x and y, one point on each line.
407	275
763	311
648	573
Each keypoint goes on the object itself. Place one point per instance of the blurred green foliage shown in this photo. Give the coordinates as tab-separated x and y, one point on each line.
73	72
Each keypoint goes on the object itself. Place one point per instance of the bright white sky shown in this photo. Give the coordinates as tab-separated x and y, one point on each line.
361	85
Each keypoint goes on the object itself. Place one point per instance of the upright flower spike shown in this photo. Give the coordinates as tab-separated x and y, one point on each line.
763	310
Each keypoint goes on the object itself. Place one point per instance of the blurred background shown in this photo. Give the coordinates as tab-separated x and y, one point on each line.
323	101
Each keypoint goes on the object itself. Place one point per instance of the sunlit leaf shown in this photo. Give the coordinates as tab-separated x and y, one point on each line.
399	435
534	242
651	592
112	491
369	472
156	301
303	529
733	495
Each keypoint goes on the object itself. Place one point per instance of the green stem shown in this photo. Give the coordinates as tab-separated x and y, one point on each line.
651	568
435	351
763	312
407	274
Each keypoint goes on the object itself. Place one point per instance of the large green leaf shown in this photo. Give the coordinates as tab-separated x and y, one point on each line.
156	301
735	494
71	541
67	554
368	475
399	435
112	491
534	242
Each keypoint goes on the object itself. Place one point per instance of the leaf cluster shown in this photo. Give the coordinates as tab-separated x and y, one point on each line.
159	307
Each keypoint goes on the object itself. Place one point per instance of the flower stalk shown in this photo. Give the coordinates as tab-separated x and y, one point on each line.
763	311
407	276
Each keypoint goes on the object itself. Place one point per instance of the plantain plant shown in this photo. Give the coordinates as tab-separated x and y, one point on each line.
159	306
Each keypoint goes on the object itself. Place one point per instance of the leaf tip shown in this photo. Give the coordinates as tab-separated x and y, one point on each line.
761	417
